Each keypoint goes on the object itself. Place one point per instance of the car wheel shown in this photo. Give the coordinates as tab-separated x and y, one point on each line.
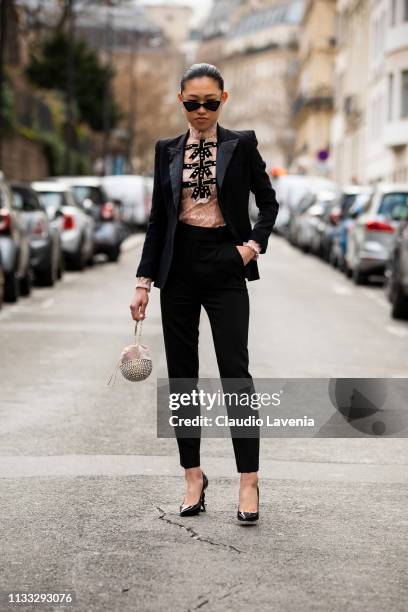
11	287
26	283
359	277
399	301
343	267
61	266
79	259
49	276
333	259
2	281
114	254
399	304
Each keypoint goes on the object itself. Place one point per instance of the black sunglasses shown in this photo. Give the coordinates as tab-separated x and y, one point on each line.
192	105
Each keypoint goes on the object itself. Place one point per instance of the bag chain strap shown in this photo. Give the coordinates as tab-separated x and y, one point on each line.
138	331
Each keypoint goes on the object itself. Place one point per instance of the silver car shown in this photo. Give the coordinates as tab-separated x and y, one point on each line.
104	209
371	237
310	213
45	239
77	227
14	246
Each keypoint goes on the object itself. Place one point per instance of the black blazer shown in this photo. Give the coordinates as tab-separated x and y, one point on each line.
239	169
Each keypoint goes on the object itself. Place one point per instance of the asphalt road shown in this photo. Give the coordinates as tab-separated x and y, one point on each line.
89	495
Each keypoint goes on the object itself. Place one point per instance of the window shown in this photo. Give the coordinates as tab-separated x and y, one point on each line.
393	11
391	201
390	95
404	94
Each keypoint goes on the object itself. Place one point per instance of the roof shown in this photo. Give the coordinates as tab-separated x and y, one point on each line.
287	13
356	189
49	186
131	18
392	187
88	181
218	21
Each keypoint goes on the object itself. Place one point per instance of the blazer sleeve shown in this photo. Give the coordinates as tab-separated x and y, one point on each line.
156	227
265	196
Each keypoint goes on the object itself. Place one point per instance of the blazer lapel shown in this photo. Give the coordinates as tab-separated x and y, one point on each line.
225	149
176	161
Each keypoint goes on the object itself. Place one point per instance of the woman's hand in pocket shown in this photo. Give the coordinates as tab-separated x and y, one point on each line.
246	253
139	303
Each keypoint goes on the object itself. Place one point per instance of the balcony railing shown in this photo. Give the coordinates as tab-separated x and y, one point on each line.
319	99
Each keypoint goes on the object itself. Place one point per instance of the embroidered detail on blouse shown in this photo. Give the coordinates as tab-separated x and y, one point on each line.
200	177
199	203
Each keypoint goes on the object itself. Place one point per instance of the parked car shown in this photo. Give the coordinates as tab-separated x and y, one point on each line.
371	238
396	273
294	193
76	225
324	231
14	246
290	189
308	219
105	211
351	203
135	193
46	255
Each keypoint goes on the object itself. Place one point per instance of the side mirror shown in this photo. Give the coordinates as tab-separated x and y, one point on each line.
87	206
355	212
316	210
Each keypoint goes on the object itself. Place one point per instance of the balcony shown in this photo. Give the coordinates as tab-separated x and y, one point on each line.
319	99
396	133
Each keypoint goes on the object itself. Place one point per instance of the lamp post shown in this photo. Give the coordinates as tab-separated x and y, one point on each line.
109	31
70	93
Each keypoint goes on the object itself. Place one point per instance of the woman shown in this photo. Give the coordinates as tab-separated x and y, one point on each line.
199	250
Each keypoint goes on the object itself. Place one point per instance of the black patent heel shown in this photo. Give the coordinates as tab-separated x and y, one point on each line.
194	509
249	518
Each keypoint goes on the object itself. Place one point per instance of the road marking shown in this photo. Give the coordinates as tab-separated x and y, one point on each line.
217	467
375	298
397	331
132	242
48	303
342	290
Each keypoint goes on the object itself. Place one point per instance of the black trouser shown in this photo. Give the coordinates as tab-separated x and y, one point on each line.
207	269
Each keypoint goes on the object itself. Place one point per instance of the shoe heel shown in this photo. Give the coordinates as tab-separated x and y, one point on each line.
199	506
249	518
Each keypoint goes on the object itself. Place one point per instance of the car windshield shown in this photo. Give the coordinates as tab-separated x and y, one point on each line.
347	202
96	194
391	201
51	199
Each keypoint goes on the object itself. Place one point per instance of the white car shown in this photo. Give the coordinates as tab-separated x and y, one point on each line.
135	194
77	227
